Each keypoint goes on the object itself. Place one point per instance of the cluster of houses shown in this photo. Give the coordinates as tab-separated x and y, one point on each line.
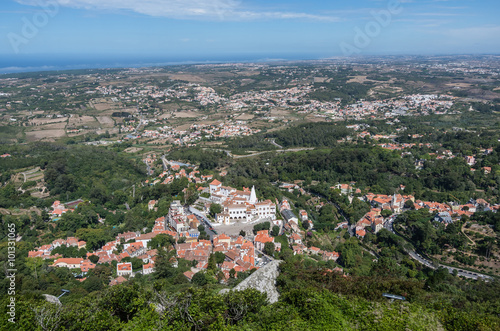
44	251
444	212
58	208
399	147
224	130
290	220
295	234
178	223
179	220
195	133
179	170
74	263
292	187
106	254
240	253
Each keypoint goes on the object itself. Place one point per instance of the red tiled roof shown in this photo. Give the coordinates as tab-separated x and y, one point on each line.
215	182
124	266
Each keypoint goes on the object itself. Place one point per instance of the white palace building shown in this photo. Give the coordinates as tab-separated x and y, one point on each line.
240	205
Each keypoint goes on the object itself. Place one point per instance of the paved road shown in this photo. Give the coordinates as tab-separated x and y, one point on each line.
165	162
265	258
272	141
149	172
414	255
204	220
141	119
260	153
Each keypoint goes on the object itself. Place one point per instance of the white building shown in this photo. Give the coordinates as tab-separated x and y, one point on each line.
177	217
303	215
124	269
240	205
148	269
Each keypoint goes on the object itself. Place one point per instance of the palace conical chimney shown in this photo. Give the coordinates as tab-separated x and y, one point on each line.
253	196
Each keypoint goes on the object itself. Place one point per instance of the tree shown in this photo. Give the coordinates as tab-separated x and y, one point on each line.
199	279
191	195
409	204
305	225
94	258
275	231
261	226
212	263
203	236
242	233
102	271
163	264
122	301
269	248
48	316
219	275
34	264
161	240
219	257
485	246
136	263
215	208
387	212
93	283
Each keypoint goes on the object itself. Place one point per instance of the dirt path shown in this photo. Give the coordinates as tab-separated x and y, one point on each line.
472	241
26	173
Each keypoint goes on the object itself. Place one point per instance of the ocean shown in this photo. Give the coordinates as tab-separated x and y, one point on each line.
35	62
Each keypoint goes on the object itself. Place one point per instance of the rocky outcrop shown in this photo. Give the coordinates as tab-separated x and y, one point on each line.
52	299
263	280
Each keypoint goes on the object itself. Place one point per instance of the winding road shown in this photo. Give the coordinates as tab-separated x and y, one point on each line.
414	255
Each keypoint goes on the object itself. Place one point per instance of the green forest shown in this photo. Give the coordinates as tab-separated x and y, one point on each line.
313	296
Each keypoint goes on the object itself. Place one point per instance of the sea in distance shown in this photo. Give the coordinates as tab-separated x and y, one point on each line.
33	62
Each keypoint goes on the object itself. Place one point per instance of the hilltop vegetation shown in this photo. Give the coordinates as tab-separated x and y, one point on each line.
312	298
303	135
70	172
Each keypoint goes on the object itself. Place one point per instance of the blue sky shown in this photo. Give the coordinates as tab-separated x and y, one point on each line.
253	28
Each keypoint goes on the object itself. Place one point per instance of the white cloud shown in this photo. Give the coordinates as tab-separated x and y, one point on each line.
231	10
